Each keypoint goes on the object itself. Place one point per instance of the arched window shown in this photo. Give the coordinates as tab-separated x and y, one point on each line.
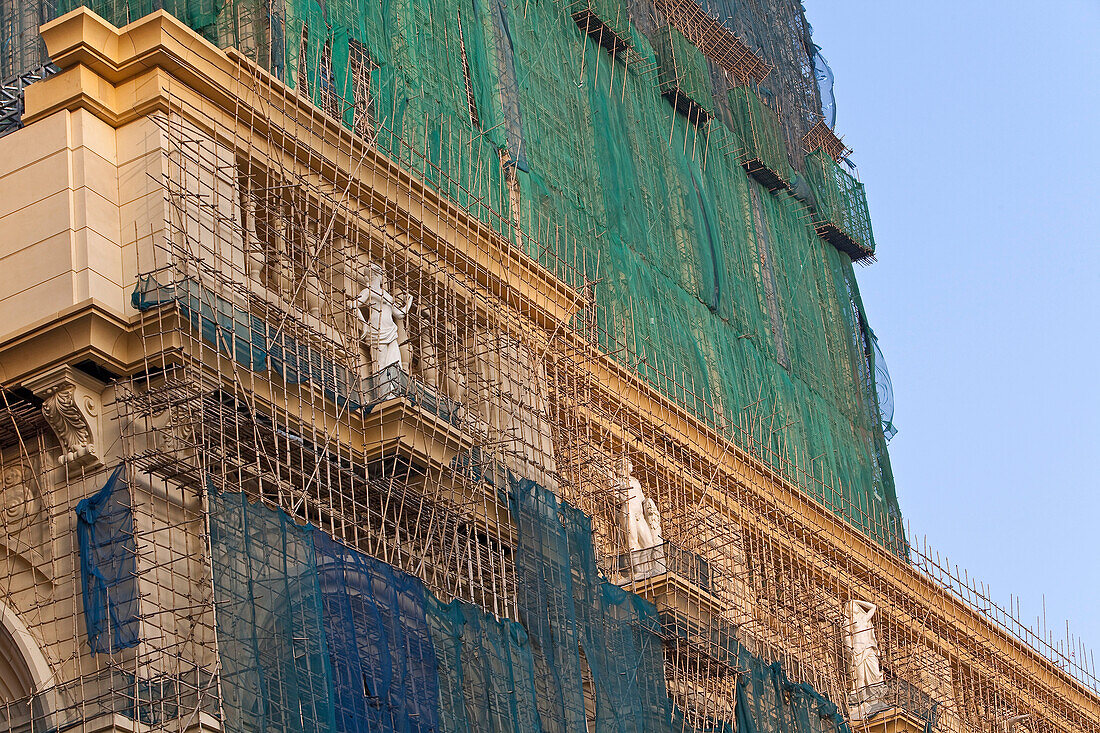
16	685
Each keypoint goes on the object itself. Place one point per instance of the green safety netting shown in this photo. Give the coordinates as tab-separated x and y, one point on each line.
681	67
731	302
760	137
777	31
768	702
201	15
315	636
840	199
613	15
577	619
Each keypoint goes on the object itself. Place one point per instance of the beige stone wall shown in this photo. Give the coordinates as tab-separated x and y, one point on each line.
59	214
40	565
81	205
78	198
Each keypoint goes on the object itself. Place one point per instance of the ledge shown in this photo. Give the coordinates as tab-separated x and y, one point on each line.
86	330
400	428
893	720
805	528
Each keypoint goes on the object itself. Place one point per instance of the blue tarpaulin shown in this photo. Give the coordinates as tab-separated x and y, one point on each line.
108	566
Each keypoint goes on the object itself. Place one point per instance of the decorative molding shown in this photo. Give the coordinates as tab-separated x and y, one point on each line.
173	429
71	405
20	498
41	673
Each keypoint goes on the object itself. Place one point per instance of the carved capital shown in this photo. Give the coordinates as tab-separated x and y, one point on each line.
71	405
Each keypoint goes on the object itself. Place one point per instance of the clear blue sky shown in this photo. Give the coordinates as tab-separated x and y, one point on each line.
976	128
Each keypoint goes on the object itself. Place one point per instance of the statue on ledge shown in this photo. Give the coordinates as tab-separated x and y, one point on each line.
868	687
382	321
863	644
653	520
640	521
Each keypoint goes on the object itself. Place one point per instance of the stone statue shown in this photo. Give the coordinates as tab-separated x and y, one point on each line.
653	519
640	522
255	259
863	644
656	553
402	331
453	378
636	530
379	314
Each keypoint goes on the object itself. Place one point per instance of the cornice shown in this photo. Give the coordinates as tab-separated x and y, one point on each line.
159	64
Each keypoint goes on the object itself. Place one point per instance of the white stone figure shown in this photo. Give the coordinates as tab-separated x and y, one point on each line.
378	314
640	522
653	520
657	552
863	644
402	331
311	293
255	261
280	271
637	532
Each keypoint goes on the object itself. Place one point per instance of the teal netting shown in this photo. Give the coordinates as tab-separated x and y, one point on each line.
275	667
317	637
314	636
575	617
767	702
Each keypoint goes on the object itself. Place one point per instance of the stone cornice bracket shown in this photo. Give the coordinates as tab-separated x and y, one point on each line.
71	405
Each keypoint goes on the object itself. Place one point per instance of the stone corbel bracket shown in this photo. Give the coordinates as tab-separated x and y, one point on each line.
71	405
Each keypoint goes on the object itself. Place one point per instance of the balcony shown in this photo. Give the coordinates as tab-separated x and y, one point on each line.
401	416
680	584
840	216
760	149
894	706
682	75
665	559
405	418
604	21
